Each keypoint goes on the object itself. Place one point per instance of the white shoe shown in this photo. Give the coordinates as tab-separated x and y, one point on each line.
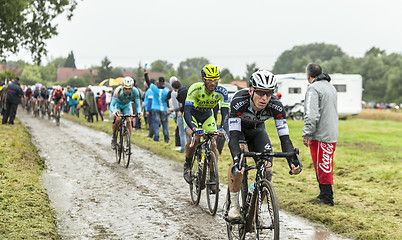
234	211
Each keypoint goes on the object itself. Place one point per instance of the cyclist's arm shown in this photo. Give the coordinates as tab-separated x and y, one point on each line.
187	116
234	133
224	112
137	99
188	105
113	103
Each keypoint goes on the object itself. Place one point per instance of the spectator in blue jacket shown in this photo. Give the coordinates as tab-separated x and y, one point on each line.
69	93
159	107
147	108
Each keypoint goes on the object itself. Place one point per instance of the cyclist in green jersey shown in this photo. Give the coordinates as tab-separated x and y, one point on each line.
201	98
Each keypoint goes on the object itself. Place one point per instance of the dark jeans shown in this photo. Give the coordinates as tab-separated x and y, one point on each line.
151	125
10	112
162	116
100	113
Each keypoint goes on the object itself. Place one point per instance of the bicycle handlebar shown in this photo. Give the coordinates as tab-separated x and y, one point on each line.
273	154
210	134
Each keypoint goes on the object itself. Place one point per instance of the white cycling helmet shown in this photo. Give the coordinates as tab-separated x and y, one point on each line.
263	79
128	82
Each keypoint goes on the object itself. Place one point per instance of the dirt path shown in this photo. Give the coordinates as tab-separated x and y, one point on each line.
97	199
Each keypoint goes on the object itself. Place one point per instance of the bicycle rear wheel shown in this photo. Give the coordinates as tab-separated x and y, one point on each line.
212	183
267	216
196	175
126	148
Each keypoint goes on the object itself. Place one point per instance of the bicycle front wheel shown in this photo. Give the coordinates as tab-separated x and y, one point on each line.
58	117
212	183
235	229
196	175
119	140
126	148
267	215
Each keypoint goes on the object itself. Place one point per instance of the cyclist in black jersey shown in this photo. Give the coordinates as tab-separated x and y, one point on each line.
249	109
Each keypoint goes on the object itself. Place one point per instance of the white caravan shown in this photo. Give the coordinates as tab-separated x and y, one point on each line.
293	88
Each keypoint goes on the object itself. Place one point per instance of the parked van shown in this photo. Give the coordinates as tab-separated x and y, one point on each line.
293	88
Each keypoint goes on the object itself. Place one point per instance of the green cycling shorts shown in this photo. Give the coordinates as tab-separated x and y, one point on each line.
209	125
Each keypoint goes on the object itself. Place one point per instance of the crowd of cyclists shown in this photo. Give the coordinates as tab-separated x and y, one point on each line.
242	120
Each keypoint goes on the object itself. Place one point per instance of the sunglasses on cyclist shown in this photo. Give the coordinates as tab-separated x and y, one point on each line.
262	93
211	79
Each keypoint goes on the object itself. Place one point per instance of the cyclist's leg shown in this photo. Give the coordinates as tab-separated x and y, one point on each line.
189	151
234	185
209	125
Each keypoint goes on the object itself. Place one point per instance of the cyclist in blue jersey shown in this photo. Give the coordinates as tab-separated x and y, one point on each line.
121	103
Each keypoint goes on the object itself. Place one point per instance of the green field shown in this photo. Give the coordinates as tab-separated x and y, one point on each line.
25	211
367	177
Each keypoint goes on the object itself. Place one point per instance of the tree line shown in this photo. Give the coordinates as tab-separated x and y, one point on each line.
381	72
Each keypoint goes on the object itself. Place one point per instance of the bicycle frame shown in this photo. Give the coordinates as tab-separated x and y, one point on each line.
207	142
249	204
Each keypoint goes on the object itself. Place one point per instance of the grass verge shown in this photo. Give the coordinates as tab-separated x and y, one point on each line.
367	176
25	211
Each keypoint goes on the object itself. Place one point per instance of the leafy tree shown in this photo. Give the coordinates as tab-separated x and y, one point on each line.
190	80
31	75
344	64
317	52
226	76
375	52
373	71
250	69
161	66
6	75
77	82
394	85
105	70
57	62
48	73
70	61
28	24
139	72
191	66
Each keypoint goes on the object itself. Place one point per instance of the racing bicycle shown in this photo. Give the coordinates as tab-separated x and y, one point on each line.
204	172
123	144
258	203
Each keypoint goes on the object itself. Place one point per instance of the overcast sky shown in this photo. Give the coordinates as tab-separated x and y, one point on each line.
229	33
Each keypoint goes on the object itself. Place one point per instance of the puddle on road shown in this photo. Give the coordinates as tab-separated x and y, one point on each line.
95	198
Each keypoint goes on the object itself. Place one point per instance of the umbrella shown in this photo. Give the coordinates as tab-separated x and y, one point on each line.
112	82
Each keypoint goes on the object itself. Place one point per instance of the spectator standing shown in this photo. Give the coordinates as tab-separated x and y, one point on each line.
159	107
13	97
75	101
103	97
178	108
147	107
69	93
108	99
99	105
320	131
90	105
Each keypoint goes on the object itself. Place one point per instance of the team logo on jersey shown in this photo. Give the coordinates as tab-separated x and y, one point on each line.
216	96
276	107
240	104
267	147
